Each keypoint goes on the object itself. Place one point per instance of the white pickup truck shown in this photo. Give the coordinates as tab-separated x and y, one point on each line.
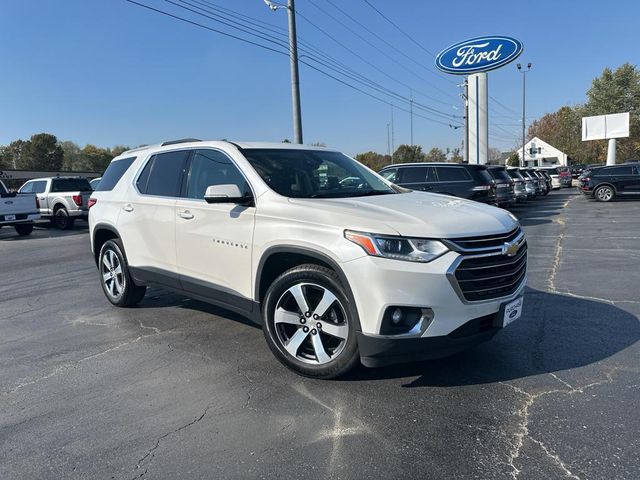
18	210
62	199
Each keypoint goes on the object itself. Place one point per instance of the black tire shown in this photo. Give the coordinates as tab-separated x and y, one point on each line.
61	219
605	193
119	288
24	229
339	317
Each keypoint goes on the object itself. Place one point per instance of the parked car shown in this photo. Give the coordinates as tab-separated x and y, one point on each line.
535	181
519	185
605	183
530	182
555	176
61	199
565	176
543	181
547	178
18	210
505	194
94	183
334	273
460	180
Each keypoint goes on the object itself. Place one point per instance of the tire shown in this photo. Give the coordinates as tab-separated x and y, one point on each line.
321	347
61	219
115	279
24	229
604	193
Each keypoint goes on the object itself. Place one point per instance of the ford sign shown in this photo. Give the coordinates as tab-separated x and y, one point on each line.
478	55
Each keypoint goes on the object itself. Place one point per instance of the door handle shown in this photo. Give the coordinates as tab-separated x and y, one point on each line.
187	215
128	208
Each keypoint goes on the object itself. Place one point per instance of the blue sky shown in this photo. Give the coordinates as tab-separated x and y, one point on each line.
108	72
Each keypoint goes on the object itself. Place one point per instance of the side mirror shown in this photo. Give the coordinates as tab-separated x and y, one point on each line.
226	194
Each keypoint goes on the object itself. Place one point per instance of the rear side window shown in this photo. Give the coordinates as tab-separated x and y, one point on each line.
453	174
113	174
162	173
616	171
391	175
70	185
40	186
500	174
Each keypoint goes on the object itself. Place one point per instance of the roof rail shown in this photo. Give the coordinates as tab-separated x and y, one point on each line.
182	140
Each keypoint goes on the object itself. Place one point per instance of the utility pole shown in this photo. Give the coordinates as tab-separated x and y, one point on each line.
411	113
465	140
393	147
388	141
293	60
524	97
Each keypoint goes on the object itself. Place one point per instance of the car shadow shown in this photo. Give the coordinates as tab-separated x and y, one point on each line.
43	229
555	333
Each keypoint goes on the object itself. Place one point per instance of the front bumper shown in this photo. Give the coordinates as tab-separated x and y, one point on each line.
380	351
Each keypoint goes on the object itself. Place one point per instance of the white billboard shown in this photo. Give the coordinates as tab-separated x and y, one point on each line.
602	127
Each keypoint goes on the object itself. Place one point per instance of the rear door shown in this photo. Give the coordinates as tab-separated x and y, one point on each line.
419	177
147	218
621	177
214	241
454	180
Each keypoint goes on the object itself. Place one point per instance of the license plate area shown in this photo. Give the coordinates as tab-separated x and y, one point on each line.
510	312
9	218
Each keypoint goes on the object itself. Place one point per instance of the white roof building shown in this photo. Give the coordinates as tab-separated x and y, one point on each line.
538	153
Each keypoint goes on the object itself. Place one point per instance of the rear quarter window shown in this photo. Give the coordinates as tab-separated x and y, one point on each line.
113	174
453	174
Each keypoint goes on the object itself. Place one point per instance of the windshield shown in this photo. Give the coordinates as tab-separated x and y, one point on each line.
315	174
71	185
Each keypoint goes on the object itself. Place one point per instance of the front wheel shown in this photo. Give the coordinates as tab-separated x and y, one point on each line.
604	193
116	282
309	323
24	229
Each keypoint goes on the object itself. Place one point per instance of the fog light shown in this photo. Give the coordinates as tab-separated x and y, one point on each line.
396	317
411	321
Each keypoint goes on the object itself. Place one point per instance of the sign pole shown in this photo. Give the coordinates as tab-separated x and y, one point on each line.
611	152
478	119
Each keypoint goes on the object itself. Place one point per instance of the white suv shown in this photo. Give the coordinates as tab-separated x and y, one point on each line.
336	271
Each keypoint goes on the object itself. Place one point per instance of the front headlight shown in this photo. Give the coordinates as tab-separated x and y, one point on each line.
399	248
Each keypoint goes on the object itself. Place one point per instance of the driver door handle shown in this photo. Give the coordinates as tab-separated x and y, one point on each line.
186	214
128	208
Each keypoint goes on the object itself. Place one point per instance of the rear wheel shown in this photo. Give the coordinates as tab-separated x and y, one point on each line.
604	193
24	229
61	219
115	279
309	324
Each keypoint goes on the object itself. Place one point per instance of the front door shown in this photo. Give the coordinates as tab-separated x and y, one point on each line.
214	241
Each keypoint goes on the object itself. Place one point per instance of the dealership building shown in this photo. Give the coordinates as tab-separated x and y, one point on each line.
538	153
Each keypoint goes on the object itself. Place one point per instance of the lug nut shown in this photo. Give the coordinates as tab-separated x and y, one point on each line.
305	329
315	316
308	314
303	320
319	325
313	332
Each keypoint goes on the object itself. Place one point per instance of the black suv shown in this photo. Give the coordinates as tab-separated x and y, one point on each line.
461	180
605	183
505	194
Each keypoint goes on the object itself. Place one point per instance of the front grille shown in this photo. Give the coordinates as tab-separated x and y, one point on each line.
492	276
489	242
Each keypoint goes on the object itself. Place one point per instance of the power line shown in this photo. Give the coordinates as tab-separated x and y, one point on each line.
200	25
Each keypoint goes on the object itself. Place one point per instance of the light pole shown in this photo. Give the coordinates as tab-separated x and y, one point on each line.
388	140
524	91
293	60
411	114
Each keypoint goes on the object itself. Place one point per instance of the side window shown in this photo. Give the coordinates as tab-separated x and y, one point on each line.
617	171
161	176
27	188
113	174
453	174
391	175
40	186
413	175
211	167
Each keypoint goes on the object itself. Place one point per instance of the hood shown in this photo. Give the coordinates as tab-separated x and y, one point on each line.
414	214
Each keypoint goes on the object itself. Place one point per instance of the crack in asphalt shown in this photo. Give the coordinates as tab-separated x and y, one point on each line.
524	414
67	366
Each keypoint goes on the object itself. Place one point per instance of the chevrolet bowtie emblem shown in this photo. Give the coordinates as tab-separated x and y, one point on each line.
510	248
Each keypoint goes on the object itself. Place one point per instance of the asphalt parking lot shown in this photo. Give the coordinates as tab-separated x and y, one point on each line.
178	389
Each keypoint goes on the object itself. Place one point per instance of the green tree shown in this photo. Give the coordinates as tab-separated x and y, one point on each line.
373	160
435	155
408	154
72	156
41	152
95	159
11	155
513	160
456	157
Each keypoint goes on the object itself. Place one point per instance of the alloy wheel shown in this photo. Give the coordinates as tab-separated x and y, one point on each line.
112	274
310	323
605	194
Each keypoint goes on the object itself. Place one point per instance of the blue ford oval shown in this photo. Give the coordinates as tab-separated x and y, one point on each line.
478	55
